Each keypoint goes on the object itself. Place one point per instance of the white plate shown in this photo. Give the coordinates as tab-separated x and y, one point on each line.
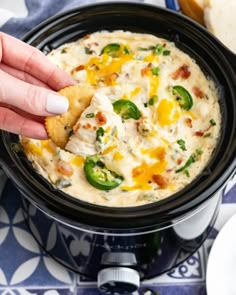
221	268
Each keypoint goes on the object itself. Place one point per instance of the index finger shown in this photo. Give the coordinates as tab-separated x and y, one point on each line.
26	58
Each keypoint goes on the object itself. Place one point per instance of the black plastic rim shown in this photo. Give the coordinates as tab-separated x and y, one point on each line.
188	36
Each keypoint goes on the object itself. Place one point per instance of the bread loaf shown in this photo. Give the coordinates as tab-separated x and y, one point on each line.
220	19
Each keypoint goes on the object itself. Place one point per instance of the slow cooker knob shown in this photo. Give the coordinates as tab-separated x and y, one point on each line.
118	280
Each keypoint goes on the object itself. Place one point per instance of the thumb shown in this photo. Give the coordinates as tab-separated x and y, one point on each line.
30	98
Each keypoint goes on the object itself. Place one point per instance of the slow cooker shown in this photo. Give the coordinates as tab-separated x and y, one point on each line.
118	247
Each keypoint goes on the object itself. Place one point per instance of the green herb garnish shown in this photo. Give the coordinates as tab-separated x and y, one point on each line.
199	152
126	50
207	135
186	172
63	51
190	160
89	115
158	49
99	134
212	122
181	144
166	52
152	100
156	71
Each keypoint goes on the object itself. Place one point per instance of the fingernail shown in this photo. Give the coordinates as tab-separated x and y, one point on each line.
56	104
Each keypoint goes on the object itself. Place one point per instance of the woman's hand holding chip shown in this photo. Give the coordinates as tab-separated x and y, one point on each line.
28	85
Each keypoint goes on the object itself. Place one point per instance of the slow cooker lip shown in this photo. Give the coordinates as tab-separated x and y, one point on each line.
170	207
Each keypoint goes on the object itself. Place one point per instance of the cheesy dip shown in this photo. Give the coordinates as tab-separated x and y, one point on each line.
151	127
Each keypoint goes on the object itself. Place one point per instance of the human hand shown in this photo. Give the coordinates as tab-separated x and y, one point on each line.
27	83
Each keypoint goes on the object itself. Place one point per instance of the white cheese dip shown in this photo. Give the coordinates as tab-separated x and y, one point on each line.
150	129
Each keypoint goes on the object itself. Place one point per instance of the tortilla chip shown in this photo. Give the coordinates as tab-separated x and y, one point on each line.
59	128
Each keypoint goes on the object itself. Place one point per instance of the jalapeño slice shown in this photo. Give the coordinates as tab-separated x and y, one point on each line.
127	109
111	49
183	97
99	176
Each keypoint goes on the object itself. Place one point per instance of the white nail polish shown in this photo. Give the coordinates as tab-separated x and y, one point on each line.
56	104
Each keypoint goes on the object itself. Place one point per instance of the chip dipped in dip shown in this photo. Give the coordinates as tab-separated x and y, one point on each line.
151	127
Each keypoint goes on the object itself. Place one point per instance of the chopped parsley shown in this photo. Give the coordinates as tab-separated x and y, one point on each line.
199	152
158	49
181	144
166	52
155	71
186	172
152	100
99	134
212	122
145	104
63	51
190	160
126	50
207	135
89	115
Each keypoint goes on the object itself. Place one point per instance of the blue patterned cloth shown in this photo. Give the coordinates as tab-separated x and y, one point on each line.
24	267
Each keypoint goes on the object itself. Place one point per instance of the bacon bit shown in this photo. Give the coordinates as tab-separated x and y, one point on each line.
110	79
162	155
179	161
198	92
144	71
65	168
87	36
161	180
94	128
79	68
182	72
199	133
188	122
87	126
101	118
164	45
76	127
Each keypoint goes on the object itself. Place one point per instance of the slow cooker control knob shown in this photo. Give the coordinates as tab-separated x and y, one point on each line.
118	280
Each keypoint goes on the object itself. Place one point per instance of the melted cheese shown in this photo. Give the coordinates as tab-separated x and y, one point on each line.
167	112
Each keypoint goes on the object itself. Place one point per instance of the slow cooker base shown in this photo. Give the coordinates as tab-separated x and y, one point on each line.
151	254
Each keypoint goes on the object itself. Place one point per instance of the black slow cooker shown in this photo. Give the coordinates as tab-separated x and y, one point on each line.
120	246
